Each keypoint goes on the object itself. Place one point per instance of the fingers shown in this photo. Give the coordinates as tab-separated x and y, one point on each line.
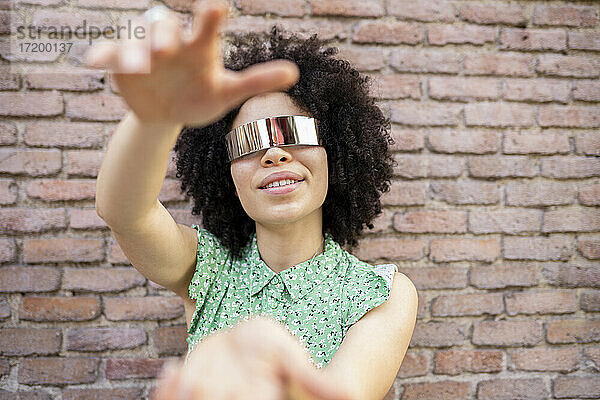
258	78
208	15
166	36
168	382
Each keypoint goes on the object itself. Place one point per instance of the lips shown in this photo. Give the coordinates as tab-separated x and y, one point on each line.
279	176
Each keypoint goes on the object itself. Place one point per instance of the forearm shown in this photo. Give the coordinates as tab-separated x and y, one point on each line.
133	170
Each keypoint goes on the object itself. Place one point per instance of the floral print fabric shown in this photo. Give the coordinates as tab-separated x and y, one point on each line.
318	302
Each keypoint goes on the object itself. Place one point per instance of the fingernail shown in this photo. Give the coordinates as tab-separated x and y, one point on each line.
133	59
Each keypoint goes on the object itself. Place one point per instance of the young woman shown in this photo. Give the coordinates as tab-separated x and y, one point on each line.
285	155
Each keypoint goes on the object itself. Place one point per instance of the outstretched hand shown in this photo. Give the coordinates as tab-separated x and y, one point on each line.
169	76
256	359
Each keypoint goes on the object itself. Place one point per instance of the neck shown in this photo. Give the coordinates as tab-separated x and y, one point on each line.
282	246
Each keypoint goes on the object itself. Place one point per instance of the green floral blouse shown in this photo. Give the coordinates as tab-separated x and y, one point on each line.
317	302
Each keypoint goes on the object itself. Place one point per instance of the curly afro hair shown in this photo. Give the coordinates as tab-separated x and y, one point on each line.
355	136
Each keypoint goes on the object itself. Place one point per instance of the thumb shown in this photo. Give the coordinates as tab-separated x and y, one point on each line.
268	76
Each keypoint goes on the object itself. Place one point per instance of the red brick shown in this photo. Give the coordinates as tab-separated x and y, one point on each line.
584	40
463	89
22	104
8	191
412	166
571	220
362	58
8	80
426	114
539	90
83	162
8	133
121	4
292	8
127	368
445	250
388	32
414	364
541	302
507	333
425	60
436	277
569	15
63	250
63	134
99	339
590	300
499	64
511	388
58	189
465	192
403	193
570	167
57	371
390	248
28	341
540	359
86	219
4	308
574	274
59	308
576	386
50	17
494	13
587	143
499	114
456	362
7	250
29	279
592	354
586	90
569	116
576	66
467	304
142	308
4	367
507	220
437	221
324	28
95	107
502	276
477	141
472	34
543	143
394	86
439	334
424	10
28	220
121	393
499	167
78	81
447	390
589	247
101	279
553	247
383	222
533	39
539	193
170	340
348	8
573	331
30	162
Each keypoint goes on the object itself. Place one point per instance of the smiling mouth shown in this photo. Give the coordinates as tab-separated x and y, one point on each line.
288	184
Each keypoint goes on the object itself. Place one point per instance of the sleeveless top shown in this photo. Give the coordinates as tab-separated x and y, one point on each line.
317	302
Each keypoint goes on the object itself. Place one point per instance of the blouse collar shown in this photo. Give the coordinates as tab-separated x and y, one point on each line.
300	278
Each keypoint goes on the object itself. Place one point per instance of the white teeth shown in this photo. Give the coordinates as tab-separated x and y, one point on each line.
281	182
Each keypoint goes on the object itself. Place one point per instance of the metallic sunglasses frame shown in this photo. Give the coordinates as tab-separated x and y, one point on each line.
283	130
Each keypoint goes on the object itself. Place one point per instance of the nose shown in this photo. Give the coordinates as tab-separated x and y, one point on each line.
275	156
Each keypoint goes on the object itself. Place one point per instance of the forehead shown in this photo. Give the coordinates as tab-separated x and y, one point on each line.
267	105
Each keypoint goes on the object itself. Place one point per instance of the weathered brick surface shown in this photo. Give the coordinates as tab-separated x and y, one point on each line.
494	109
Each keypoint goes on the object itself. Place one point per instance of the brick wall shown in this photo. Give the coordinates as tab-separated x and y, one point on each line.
493	213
